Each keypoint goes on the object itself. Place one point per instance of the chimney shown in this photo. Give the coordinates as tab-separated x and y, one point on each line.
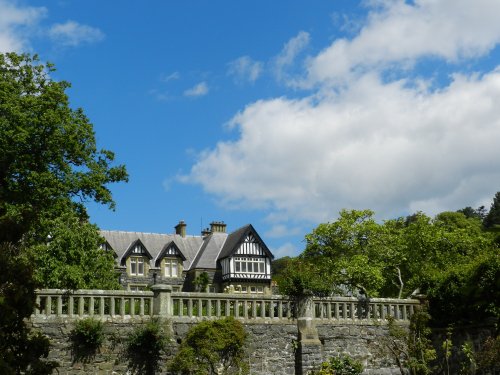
205	232
217	227
180	228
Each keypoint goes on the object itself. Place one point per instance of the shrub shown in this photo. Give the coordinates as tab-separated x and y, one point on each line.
86	339
212	347
144	348
341	365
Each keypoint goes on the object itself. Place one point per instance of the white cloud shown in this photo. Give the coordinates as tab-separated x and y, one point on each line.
381	146
245	69
16	23
290	52
281	230
200	89
363	141
72	34
398	31
170	77
287	249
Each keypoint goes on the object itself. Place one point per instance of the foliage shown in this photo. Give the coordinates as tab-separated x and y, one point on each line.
49	166
71	257
144	348
341	365
86	339
49	162
201	282
278	265
492	219
488	359
212	347
412	348
21	350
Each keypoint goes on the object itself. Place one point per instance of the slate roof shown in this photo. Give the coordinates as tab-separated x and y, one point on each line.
196	251
237	237
120	242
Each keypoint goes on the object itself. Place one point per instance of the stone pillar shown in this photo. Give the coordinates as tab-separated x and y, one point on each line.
162	301
309	346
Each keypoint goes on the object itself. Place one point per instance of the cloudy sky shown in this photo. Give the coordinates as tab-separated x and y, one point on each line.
279	113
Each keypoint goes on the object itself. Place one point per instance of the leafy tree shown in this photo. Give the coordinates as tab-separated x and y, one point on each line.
49	166
201	282
412	349
212	347
49	162
71	257
21	349
345	252
492	219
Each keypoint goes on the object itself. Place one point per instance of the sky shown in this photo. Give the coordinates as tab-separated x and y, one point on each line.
278	113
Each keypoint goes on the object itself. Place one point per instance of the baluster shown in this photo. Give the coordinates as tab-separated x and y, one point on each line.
353	309
91	306
190	307
280	309
337	312
101	307
217	308
59	306
112	308
228	307
122	307
209	308
200	307
132	306
405	316
48	306
38	307
141	306
263	309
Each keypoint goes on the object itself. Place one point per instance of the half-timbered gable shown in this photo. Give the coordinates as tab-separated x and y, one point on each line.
245	257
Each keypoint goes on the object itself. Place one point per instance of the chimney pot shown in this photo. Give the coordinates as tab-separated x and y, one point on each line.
218	226
180	228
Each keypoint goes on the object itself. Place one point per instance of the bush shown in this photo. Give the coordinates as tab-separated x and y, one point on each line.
144	348
86	339
341	365
212	347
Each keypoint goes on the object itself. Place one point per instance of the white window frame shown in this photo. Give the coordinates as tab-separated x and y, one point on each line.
171	265
248	265
136	263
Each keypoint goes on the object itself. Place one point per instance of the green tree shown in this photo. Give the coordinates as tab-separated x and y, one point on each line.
49	162
72	258
492	219
22	350
49	166
344	252
212	347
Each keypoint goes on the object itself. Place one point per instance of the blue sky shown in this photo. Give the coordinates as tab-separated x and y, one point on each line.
278	113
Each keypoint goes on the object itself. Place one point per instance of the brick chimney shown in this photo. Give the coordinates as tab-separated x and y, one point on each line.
218	227
180	228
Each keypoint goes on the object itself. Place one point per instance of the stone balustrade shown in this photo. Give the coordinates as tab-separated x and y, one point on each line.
102	304
181	306
350	308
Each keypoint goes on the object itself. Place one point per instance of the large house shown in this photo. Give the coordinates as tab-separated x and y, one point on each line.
216	261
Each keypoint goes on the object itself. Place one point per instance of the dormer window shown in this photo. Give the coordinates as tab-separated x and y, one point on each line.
138	249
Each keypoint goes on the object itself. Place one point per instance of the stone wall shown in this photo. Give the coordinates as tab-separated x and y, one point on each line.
272	348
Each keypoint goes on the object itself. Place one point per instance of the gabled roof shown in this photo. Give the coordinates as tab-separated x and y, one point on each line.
120	242
165	249
207	256
131	248
236	238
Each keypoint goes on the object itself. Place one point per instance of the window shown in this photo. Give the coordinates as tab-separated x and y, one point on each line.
137	288
171	268
249	265
137	266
